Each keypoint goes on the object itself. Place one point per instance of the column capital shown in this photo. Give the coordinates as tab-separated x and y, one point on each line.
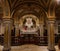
51	20
7	20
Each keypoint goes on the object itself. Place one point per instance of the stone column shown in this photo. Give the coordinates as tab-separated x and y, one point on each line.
16	29
7	34
51	41
41	33
56	28
0	27
41	29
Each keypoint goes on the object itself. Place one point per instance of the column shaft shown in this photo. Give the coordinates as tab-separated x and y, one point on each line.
41	30
51	38
16	29
7	34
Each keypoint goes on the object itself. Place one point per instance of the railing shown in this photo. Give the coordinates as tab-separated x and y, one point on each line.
1	39
15	41
57	37
27	40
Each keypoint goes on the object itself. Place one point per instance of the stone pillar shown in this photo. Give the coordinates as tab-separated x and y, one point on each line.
56	28
41	33
0	27
7	34
16	29
41	29
51	41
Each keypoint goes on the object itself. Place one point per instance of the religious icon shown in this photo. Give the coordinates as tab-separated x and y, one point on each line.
29	22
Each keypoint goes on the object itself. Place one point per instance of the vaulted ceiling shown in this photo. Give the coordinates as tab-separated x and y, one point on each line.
17	4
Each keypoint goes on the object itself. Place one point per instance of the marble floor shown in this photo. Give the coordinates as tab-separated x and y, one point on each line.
29	47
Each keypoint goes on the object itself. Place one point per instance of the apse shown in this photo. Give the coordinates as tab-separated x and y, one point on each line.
29	24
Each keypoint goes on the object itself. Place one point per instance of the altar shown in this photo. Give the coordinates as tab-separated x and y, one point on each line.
31	31
29	26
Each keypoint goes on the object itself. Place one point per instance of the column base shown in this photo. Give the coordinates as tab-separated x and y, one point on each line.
6	49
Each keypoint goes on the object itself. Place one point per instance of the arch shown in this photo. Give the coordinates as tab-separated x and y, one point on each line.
6	9
23	3
25	12
51	9
1	9
24	9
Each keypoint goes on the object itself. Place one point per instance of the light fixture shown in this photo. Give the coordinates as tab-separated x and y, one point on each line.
58	1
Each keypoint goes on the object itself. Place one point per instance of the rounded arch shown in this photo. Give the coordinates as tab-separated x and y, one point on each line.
1	9
6	9
25	9
40	15
25	12
51	9
20	6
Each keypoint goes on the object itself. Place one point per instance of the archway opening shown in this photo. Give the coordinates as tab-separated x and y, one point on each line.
30	24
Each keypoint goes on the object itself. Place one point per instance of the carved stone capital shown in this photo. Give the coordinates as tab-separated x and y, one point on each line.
7	21
51	20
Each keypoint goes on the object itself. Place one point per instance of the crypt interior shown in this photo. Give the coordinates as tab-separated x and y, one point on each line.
34	22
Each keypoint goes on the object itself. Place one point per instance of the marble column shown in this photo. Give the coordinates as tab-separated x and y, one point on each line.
51	41
16	29
7	34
